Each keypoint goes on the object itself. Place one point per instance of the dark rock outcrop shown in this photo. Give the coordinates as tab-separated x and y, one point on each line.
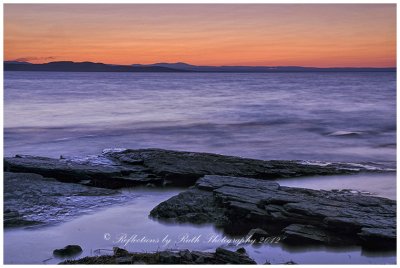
70	250
107	175
298	215
186	167
221	256
159	167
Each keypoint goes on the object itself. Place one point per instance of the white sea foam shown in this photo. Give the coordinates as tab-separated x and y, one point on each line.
350	166
92	160
345	133
113	150
315	163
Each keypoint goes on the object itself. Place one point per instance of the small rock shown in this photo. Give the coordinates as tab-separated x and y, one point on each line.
69	250
120	251
257	234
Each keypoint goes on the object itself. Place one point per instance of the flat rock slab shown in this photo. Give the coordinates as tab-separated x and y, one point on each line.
159	167
31	199
106	174
299	215
176	165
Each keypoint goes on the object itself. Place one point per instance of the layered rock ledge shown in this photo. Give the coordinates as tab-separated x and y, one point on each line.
129	168
235	193
299	215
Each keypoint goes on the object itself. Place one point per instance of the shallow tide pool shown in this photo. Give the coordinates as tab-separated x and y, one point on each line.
128	226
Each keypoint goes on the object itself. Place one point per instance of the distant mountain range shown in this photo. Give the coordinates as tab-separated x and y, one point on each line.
263	69
70	66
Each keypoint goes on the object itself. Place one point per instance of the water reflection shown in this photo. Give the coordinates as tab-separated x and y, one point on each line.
99	232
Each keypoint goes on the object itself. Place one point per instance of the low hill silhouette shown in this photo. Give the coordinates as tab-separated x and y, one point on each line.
70	66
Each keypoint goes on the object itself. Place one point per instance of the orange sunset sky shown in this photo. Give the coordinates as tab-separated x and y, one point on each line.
320	35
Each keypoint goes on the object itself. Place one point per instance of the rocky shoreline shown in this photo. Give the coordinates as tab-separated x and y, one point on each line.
236	194
300	216
121	256
129	168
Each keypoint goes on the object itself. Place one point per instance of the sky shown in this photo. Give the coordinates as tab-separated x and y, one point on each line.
319	35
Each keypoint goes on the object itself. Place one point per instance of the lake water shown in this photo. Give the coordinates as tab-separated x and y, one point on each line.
345	117
310	116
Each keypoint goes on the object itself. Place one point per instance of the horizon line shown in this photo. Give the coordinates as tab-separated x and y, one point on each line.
181	62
